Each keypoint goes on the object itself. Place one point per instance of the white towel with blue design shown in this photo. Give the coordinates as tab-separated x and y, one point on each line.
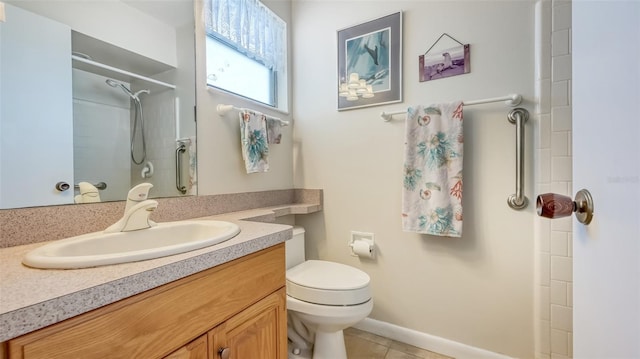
432	190
253	137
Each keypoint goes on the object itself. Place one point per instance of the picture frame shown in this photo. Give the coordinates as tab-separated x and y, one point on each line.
373	51
450	62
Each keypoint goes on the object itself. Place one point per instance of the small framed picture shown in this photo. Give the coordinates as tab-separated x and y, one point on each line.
370	63
450	62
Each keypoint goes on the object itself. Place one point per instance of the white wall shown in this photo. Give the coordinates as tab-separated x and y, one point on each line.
220	165
477	290
183	77
112	22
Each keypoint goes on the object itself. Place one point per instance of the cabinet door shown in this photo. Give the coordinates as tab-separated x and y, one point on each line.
259	331
197	349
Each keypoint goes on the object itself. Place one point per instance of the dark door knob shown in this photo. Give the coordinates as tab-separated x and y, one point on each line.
553	205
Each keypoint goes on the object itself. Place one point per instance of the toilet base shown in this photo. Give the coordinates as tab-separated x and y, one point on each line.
329	345
295	353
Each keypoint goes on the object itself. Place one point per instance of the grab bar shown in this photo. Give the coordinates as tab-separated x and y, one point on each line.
181	149
519	116
100	185
63	186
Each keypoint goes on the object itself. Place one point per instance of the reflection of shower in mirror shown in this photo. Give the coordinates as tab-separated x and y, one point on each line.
82	130
137	118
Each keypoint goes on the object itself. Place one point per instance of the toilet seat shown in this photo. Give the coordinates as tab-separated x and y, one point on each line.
330	312
328	283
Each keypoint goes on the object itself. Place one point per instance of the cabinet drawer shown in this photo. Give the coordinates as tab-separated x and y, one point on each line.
157	322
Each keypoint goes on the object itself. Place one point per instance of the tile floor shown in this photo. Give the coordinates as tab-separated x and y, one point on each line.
365	345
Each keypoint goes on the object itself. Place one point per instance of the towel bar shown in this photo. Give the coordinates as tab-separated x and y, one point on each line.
517	116
509	100
224	109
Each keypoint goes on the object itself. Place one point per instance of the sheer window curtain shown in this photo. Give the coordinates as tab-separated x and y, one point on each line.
249	27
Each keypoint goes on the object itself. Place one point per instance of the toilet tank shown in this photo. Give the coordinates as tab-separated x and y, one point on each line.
294	248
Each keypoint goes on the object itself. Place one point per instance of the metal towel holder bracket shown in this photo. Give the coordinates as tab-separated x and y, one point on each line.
519	116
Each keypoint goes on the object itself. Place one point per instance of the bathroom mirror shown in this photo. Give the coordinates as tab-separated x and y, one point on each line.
80	83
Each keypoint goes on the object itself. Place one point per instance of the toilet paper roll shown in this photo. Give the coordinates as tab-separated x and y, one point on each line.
362	249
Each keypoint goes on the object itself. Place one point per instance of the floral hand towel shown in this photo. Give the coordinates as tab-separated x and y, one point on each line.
432	193
253	137
274	131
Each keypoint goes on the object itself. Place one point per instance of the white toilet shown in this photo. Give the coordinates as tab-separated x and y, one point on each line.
323	298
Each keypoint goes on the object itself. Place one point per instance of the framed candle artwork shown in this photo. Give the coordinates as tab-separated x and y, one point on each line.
370	63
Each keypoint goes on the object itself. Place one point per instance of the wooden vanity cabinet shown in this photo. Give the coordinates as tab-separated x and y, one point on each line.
253	333
239	306
197	349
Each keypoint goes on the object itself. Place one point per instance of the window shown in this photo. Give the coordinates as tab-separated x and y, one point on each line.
246	50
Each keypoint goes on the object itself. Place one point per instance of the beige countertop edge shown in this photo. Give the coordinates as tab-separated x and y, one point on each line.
31	299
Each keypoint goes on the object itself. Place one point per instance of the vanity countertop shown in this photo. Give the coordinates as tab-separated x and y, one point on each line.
31	299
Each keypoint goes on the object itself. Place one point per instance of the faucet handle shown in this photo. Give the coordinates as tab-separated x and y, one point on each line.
140	192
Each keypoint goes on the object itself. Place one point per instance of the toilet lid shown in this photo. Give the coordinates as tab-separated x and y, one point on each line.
328	283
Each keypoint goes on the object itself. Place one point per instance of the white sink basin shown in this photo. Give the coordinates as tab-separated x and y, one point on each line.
97	248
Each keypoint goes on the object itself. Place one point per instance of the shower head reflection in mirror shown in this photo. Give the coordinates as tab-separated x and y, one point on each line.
138	119
134	96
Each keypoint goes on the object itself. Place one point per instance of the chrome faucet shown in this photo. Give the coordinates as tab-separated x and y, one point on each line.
136	211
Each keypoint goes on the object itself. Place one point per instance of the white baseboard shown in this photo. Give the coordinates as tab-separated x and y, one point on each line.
426	341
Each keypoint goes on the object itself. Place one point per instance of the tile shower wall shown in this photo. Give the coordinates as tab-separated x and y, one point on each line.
160	133
554	174
100	134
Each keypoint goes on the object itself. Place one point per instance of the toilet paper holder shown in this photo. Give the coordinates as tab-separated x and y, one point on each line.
362	244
